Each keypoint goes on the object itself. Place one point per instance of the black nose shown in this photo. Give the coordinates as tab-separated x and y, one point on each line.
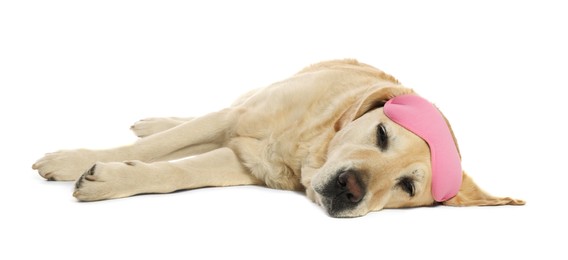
349	186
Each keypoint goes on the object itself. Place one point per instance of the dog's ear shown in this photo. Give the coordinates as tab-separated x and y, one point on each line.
471	195
374	98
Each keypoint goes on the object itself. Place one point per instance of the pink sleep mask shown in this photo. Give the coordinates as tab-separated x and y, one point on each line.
423	119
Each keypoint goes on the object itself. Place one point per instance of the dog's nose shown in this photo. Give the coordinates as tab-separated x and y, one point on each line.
348	183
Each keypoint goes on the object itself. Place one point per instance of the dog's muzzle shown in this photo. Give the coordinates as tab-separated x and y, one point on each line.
342	193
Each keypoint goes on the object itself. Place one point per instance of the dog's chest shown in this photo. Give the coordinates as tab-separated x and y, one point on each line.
274	161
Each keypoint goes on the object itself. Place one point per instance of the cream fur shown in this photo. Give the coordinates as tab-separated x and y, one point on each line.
295	134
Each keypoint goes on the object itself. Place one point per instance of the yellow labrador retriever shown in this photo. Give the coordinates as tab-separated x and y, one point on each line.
323	131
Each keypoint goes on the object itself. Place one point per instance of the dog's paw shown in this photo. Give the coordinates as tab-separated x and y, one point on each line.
65	165
107	181
150	126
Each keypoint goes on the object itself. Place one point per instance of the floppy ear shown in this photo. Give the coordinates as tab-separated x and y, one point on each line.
471	195
374	98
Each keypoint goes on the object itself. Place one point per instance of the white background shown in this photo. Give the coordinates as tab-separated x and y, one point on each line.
79	73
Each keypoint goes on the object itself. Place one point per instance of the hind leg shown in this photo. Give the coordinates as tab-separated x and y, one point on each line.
153	125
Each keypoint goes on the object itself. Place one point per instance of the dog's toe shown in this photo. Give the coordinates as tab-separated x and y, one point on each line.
89	175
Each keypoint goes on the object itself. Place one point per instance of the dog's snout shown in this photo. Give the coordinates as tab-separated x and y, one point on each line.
343	192
349	186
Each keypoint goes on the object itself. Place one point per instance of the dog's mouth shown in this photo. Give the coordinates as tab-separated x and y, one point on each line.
342	195
336	209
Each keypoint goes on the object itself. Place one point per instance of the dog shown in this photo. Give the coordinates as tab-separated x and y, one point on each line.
337	130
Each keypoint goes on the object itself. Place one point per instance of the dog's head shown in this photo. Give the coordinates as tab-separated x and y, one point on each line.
373	163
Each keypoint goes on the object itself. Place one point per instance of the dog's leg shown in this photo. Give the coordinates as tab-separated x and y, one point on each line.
219	167
153	125
196	136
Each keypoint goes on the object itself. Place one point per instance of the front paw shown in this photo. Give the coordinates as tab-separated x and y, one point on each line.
65	165
110	180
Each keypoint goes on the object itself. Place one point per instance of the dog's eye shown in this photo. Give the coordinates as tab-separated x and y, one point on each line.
407	185
382	137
